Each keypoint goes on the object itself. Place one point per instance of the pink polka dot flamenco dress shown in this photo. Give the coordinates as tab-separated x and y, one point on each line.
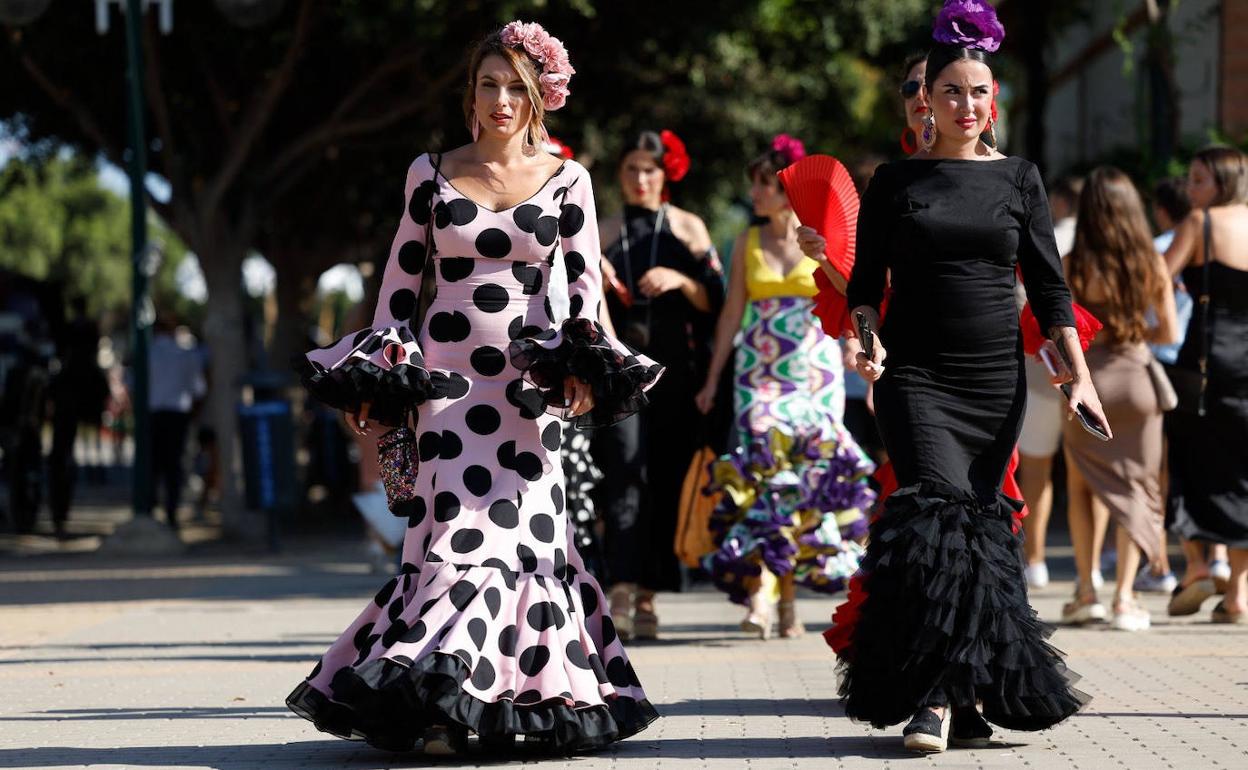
492	625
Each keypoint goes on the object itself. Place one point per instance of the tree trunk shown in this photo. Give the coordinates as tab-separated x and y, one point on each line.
294	292
221	258
1033	41
1163	96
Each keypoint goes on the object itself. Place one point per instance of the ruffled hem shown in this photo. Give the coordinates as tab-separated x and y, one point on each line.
618	375
792	505
389	702
944	607
381	367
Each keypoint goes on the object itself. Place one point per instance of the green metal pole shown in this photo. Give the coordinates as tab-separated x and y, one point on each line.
140	306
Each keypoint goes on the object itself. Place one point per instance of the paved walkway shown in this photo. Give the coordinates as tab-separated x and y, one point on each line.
185	664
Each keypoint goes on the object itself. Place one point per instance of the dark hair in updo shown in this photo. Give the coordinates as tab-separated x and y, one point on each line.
767	165
942	56
648	142
910	62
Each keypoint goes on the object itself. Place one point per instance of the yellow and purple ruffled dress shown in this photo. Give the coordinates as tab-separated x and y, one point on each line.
795	493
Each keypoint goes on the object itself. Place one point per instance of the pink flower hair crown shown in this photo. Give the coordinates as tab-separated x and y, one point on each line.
546	50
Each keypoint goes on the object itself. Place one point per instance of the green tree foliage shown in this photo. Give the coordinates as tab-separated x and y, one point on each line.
58	224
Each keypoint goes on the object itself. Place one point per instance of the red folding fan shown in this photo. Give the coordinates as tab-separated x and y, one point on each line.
823	196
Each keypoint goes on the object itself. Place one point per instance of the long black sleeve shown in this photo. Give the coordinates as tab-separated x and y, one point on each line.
866	283
1038	256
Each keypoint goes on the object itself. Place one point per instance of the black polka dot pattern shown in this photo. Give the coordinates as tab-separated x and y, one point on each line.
448	327
412	257
455	268
490	298
483	419
493	243
505	514
478	480
490	580
488	361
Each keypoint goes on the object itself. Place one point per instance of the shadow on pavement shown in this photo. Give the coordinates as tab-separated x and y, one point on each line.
778	707
292	581
169	713
338	753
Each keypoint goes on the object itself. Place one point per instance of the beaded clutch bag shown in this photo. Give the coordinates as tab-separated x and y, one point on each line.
396	454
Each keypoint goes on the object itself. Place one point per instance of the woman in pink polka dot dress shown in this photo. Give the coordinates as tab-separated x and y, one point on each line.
493	626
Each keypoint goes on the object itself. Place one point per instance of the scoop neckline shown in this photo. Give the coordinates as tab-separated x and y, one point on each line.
516	205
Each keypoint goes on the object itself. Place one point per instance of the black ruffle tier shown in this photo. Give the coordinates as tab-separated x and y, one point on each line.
390	702
390	392
947	608
582	348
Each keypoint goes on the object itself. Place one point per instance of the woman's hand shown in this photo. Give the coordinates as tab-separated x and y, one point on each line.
870	369
1065	342
705	399
578	397
661	280
812	243
850	349
1082	391
358	423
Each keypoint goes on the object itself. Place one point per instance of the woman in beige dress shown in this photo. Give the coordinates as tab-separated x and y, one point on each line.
1115	272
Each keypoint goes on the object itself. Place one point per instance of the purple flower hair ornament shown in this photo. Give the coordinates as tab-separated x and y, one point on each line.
969	23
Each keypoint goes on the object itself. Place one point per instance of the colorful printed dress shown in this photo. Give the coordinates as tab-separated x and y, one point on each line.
795	490
492	624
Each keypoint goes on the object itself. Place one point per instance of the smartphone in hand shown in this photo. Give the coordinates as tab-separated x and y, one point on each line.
1086	418
866	337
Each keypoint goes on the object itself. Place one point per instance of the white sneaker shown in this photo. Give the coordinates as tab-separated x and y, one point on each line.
1037	574
1220	572
1132	617
1098	582
1149	583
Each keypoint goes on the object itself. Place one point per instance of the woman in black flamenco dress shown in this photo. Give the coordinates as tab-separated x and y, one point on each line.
945	623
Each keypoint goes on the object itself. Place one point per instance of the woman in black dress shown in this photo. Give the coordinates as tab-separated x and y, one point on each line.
945	622
1209	451
664	287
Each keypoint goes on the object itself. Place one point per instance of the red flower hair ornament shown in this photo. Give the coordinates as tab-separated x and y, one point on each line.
675	156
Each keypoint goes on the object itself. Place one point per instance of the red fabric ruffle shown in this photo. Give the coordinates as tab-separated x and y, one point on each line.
832	308
1033	337
840	636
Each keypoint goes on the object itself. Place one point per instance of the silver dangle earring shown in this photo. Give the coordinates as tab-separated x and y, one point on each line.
927	137
476	127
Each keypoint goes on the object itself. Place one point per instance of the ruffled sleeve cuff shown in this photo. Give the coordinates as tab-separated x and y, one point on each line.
382	367
618	375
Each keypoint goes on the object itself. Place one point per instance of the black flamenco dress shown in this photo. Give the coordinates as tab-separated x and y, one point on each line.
645	457
945	618
1209	453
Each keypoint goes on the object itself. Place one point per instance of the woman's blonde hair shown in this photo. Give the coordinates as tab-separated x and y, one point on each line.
528	70
1114	258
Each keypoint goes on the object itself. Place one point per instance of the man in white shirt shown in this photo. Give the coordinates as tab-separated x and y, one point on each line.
176	386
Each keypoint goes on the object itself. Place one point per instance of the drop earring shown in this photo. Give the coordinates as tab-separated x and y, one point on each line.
989	137
528	148
476	127
927	137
